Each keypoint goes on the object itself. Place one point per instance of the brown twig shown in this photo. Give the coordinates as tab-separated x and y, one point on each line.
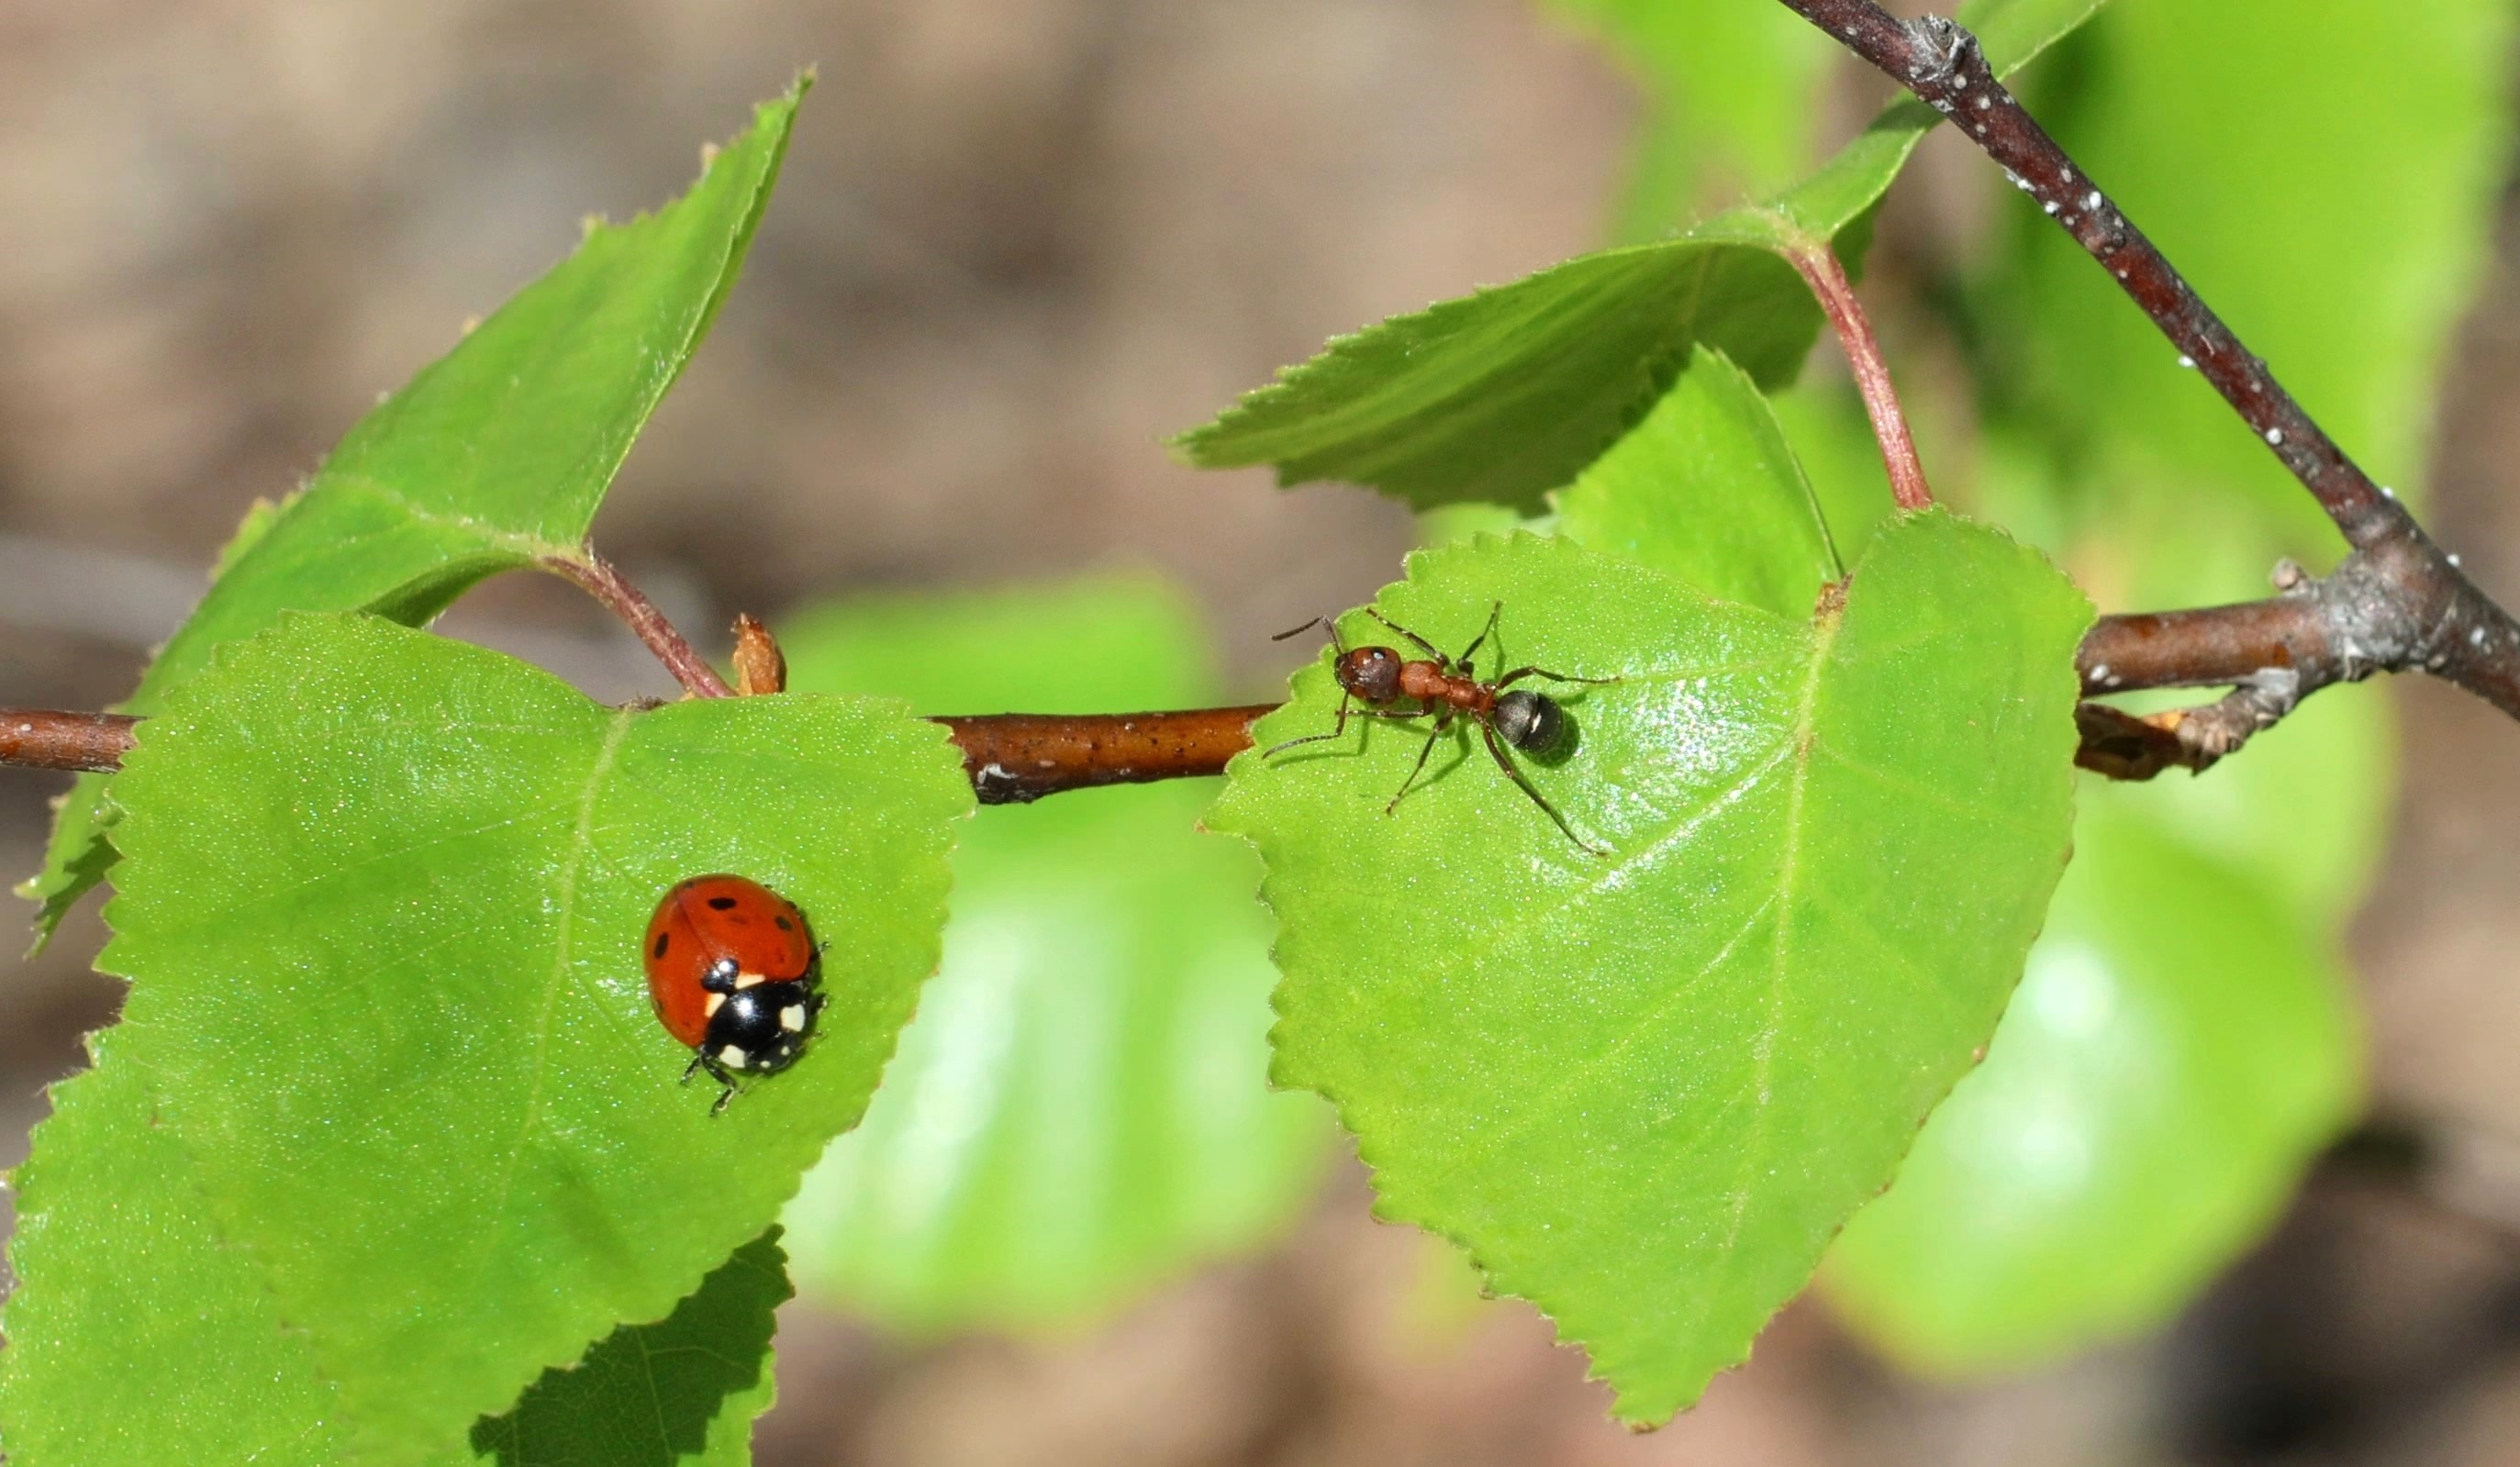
1820	268
84	742
598	578
1012	758
1016	758
2435	618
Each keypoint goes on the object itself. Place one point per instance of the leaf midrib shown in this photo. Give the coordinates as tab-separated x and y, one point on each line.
580	841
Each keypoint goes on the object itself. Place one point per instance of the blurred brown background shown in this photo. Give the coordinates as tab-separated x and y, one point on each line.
1018	240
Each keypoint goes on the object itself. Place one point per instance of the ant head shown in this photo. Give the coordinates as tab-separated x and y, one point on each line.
1371	673
1529	721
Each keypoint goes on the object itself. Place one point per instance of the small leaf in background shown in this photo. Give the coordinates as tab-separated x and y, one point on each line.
1706	489
1833	845
1081	1110
381	902
683	1390
1731	94
1505	395
493	455
137	1337
2178	1052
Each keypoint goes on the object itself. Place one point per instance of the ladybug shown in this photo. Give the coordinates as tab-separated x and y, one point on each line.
734	974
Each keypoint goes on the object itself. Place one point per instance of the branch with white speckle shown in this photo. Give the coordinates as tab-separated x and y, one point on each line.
2396	603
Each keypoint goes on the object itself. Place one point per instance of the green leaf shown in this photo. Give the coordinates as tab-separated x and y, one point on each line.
136	1336
1081	1108
685	1388
2176	1053
493	457
1832	843
1508	393
1706	489
381	900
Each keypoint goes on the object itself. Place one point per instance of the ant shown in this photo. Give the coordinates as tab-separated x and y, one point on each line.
1447	688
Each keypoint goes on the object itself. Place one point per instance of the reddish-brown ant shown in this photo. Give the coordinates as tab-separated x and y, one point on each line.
1447	687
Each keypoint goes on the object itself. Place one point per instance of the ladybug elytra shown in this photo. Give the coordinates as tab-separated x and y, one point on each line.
734	974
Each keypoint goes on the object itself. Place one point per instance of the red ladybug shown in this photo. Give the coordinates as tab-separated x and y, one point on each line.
734	974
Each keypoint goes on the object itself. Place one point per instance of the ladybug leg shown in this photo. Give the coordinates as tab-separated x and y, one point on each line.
716	1072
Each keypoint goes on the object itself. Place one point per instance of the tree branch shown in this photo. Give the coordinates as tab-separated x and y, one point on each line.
2315	632
2438	620
83	742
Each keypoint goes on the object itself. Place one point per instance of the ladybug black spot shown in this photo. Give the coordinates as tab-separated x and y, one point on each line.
721	903
785	925
662	937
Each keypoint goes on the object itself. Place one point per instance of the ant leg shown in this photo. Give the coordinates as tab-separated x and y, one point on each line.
1336	731
1520	672
1488	733
1495	609
1345	713
1424	644
1420	767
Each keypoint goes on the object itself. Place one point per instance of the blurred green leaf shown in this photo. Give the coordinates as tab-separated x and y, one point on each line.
2339	221
494	456
381	902
2177	1051
2255	810
1081	1108
1732	95
1706	489
1832	844
683	1390
1508	393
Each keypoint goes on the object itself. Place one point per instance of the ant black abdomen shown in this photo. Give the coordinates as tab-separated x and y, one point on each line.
1447	687
1530	721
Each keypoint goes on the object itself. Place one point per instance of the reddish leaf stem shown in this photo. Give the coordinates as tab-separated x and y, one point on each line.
1820	268
599	579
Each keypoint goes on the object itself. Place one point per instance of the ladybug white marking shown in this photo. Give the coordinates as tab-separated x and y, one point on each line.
792	1018
731	1057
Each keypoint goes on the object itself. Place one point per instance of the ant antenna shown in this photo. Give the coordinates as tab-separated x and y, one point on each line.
1323	622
